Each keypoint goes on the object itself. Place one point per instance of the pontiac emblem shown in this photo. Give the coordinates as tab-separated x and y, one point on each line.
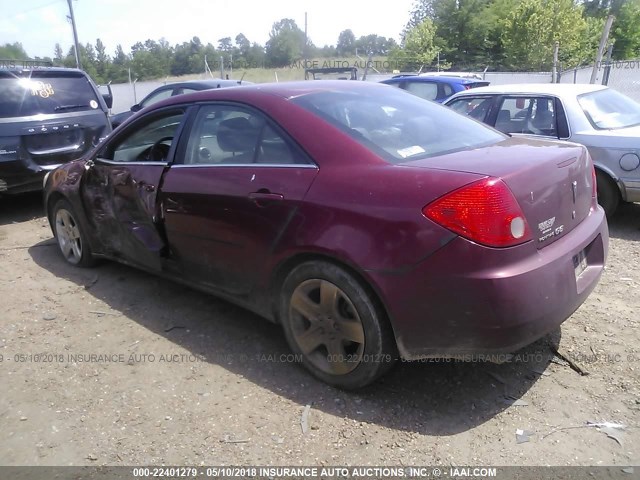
547	224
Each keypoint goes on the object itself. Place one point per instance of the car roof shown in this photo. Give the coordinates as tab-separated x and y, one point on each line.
206	84
432	78
24	69
285	90
572	89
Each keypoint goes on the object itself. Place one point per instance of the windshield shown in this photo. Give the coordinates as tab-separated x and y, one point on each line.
608	109
399	126
45	92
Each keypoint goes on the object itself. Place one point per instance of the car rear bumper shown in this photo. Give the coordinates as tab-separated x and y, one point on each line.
18	176
494	300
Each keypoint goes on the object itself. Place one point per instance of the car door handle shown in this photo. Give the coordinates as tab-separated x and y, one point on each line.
147	186
262	198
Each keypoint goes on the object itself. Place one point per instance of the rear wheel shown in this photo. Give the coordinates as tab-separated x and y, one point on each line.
336	325
72	241
608	193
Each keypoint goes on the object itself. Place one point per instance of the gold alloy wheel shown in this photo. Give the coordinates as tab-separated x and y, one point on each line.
326	326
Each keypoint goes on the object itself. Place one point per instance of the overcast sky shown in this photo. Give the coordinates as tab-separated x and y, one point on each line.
40	24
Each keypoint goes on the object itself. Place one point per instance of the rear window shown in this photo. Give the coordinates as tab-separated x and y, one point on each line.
608	110
397	126
44	92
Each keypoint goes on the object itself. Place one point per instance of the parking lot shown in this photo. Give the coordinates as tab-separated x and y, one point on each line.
113	366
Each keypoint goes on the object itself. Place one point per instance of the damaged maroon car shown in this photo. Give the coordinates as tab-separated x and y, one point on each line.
369	223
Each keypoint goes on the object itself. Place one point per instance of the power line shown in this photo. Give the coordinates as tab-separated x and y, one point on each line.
32	9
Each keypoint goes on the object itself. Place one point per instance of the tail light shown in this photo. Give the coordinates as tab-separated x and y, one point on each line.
485	212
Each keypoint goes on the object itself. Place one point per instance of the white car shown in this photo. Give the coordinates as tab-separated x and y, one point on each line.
604	120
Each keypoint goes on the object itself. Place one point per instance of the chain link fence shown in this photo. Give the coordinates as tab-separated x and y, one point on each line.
623	75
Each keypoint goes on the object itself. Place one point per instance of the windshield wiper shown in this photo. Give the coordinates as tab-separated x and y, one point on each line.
69	107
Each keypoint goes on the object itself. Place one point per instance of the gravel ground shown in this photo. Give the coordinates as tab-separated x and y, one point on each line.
179	377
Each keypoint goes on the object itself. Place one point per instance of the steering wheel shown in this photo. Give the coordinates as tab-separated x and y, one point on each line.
158	151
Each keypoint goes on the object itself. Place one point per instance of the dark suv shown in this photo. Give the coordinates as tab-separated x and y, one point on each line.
48	116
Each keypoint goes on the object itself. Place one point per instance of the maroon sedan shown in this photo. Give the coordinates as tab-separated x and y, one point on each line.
369	223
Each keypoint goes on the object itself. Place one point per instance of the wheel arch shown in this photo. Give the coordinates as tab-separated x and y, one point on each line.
287	265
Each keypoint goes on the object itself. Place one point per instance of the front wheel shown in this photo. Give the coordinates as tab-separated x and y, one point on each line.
608	193
72	241
335	324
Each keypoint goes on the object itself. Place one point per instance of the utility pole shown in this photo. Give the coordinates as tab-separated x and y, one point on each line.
601	47
306	40
75	35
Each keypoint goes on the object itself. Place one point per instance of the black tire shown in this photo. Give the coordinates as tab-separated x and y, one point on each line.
608	193
344	338
70	236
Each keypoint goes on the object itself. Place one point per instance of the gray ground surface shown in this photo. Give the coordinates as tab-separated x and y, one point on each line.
230	397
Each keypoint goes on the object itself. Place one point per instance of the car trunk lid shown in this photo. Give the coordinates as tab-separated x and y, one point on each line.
552	181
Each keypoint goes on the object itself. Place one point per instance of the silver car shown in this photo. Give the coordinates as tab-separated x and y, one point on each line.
602	119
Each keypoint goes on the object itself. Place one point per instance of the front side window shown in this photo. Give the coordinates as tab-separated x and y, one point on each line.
609	109
148	141
232	135
397	126
474	107
45	92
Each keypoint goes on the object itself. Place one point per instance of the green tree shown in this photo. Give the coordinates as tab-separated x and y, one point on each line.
13	51
58	55
418	48
626	31
463	27
531	30
102	62
346	43
285	44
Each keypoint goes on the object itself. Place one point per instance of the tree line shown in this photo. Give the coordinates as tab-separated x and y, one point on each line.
507	35
517	34
151	59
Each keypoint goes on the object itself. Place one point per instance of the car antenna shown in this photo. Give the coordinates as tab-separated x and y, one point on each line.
243	74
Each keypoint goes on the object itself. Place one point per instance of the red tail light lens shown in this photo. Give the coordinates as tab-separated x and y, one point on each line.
485	212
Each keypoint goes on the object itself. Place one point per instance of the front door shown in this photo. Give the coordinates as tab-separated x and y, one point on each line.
237	192
121	184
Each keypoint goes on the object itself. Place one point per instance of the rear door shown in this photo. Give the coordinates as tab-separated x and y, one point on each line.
121	185
227	207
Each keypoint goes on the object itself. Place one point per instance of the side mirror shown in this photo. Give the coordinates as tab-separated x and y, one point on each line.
136	108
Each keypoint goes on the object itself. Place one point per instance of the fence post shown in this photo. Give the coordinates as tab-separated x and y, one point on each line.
603	42
554	71
607	67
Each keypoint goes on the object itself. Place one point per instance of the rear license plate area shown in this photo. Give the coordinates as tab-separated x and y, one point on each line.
580	263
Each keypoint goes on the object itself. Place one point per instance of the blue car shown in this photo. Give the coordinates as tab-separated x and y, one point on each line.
436	88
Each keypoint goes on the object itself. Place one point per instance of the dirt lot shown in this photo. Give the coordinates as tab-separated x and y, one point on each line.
179	377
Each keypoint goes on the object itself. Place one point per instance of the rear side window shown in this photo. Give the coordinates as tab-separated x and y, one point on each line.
234	135
426	90
528	115
45	92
